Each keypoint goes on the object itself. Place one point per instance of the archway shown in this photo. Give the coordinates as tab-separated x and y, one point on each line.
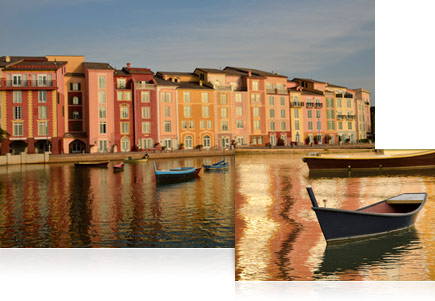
17	147
206	141
188	142
42	146
77	146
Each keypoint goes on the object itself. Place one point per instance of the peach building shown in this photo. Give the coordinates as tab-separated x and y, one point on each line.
362	99
345	113
99	112
297	109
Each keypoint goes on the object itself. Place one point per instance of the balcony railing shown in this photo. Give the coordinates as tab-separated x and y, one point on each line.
310	105
140	85
319	105
277	91
349	117
223	88
296	104
27	83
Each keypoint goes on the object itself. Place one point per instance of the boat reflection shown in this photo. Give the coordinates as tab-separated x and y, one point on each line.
342	258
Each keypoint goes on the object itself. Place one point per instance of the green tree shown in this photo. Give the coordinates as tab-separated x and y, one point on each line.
3	134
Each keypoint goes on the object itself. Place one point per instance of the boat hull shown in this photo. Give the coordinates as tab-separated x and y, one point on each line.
338	225
221	166
91	164
175	176
426	160
135	160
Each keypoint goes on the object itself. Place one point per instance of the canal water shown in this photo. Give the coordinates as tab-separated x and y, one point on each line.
278	236
66	206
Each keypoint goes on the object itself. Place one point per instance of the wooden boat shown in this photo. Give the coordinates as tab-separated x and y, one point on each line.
394	214
118	167
92	164
139	160
216	166
175	174
364	161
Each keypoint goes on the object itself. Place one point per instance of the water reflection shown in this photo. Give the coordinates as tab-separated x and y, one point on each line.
290	246
64	206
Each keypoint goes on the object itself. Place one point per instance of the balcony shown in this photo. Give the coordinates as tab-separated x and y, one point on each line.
309	105
223	88
277	91
348	117
318	105
28	84
123	86
143	85
296	104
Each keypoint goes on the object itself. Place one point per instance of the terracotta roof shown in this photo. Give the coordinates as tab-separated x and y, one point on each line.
161	82
308	79
13	59
193	86
176	73
311	92
75	74
92	65
211	70
121	73
138	70
36	65
336	86
256	72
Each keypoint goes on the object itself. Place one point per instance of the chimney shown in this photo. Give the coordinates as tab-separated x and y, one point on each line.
8	59
200	83
249	73
128	65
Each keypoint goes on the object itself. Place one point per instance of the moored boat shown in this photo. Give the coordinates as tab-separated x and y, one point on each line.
388	160
118	167
393	214
139	160
221	165
92	164
178	174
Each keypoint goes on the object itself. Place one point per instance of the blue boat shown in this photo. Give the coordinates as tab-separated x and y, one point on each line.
390	215
221	165
175	174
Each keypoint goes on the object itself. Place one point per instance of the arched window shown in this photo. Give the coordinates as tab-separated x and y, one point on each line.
125	144
188	142
206	141
75	100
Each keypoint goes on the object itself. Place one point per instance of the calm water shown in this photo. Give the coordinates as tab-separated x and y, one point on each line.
278	236
65	206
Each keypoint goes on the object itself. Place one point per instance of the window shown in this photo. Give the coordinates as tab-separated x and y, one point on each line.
125	144
147	143
202	124
238	97
310	125
17	96
349	125
188	142
124	112
256	124
125	127
239	111
209	124
102	96
283	125
42	112
146	112
224	126
319	126
205	111
167	111
282	101
191	124
269	86
42	128
256	112
295	98
16	80
121	83
75	100
310	113
18	129
103	127
146	127
127	96
102	111
75	115
166	97
297	125
258	97
184	124
204	97
187	111
167	126
102	146
271	100
338	102
119	95
340	125
296	113
145	96
239	124
18	113
186	96
101	82
240	141
206	141
272	113
42	80
223	99
224	113
272	125
317	113
255	85
348	103
42	96
282	113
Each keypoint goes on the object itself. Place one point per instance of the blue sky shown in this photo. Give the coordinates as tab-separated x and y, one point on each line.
332	40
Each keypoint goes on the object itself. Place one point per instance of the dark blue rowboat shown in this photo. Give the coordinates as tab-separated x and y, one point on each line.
393	214
217	166
175	174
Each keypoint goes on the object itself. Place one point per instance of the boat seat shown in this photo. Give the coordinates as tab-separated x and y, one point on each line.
407	198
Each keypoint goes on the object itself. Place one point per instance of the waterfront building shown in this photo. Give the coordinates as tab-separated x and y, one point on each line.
75	139
124	111
32	111
99	107
297	112
345	113
362	100
196	110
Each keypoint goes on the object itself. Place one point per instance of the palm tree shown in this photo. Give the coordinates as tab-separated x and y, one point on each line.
3	134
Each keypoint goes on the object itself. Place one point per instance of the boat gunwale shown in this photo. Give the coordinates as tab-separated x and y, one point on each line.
375	157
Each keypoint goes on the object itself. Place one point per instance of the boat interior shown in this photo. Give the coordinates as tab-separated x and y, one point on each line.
385	207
